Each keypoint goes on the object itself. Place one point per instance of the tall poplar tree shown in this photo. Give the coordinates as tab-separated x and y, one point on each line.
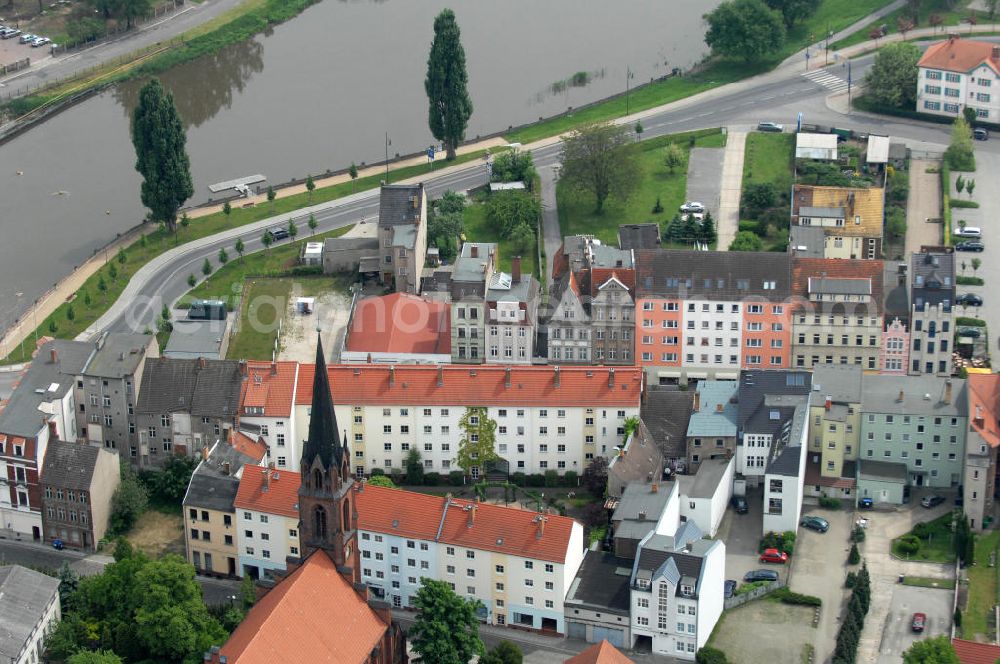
450	105
161	158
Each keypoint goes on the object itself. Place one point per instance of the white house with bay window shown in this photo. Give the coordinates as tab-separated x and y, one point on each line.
959	73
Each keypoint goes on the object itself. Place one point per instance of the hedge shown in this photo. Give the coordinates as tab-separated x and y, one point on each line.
965	321
958	203
789	597
969	281
864	103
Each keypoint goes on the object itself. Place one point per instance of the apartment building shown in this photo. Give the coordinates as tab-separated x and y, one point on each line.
78	483
402	234
982	443
511	306
473	271
838	316
109	386
851	219
548	418
932	297
959	73
710	314
917	423
569	324
267	519
785	472
29	603
834	430
711	431
766	404
266	410
894	354
518	563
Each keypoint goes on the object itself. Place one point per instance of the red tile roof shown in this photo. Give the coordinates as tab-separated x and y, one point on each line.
600	276
255	448
815	477
984	406
961	55
970	652
494	528
600	653
837	268
313	615
400	323
482	385
281	496
270	386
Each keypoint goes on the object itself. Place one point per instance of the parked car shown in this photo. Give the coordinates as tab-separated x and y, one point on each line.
693	206
931	501
760	575
774	556
279	232
27	38
971	332
918	622
729	588
10	33
980	134
770	126
969	300
866	503
817	523
40	41
740	504
970	245
968	231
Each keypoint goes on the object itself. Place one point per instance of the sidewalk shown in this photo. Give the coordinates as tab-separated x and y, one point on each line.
923	205
728	222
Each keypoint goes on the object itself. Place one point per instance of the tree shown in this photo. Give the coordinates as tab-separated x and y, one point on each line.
353	172
161	157
94	657
709	655
239	247
206	268
87	300
102	286
746	29
271	195
122	258
959	155
293	230
165	312
792	11
674	157
595	476
597	160
185	222
896	223
759	197
446	628
959	183
192	280
128	503
113	272
414	468
223	256
267	240
514	166
854	557
522	239
69	581
449	103
312	223
970	187
937	650
904	24
310	186
976	264
383	481
708	234
505	652
227	210
511	209
969	114
70	313
746	241
638	129
935	21
478	438
892	79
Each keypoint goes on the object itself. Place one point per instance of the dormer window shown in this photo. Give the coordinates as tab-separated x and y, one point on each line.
687	590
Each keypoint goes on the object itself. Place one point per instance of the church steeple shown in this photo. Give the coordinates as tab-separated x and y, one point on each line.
324	439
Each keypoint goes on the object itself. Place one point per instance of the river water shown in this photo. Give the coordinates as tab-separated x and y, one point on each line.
317	93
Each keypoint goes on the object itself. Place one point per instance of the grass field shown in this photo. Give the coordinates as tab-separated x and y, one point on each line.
978	614
926	582
937	547
949	16
576	209
769	158
479	229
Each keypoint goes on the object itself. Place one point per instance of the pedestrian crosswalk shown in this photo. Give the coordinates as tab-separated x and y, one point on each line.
826	79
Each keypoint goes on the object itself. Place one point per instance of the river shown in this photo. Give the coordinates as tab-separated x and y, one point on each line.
317	93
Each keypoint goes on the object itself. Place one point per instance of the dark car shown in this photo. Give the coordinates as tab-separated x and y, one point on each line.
980	134
866	503
969	300
279	233
970	245
971	332
729	588
740	504
817	523
931	501
918	622
760	575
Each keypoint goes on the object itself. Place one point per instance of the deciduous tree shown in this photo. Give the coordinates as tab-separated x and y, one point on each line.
312	223
674	157
959	155
746	241
94	657
446	84
511	209
745	29
239	247
595	476
414	468
446	629
478	439
793	11
596	159
937	650
892	79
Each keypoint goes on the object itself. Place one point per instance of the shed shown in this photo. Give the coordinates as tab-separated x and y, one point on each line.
312	253
816	146
207	310
878	150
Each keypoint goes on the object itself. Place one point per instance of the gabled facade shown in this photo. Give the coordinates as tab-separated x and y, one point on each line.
267	520
851	218
266	410
959	73
402	236
473	271
511	306
569	324
932	297
613	312
834	430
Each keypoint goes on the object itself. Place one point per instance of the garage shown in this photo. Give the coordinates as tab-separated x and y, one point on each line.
615	637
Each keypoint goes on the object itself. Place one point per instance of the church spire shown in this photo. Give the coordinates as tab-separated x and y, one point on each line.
324	439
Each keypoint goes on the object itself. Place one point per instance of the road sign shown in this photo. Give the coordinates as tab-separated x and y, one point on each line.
430	153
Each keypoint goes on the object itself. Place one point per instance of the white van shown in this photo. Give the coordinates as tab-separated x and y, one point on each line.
969	231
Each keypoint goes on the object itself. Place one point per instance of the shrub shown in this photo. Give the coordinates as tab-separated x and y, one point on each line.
788	597
966	321
858	534
594	514
518	478
851	580
854	557
969	281
456	478
830	503
908	545
709	655
376	472
551	478
922	530
432	479
536	480
571	478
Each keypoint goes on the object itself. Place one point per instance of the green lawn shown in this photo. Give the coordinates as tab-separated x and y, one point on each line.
576	209
479	229
769	158
927	582
949	15
937	547
983	592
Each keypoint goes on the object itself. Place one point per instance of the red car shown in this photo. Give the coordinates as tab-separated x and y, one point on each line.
919	620
774	556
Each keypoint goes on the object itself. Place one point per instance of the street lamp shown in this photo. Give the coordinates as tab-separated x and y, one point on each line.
387	144
829	34
232	601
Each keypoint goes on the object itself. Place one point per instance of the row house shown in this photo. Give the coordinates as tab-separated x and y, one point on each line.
709	314
959	73
78	482
402	236
41	409
472	273
266	410
548	418
188	405
837	222
894	353
711	431
932	298
766	404
785	470
834	430
211	528
511	308
518	564
982	443
267	520
838	313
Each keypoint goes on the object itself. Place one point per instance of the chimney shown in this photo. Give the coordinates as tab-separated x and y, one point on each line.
274	368
506	377
611	377
655	488
995	54
392	375
225	468
828	404
201	363
474	251
515	269
540	521
697	401
555	376
899	399
440	380
947	391
53	355
244	368
53	432
471	509
642	515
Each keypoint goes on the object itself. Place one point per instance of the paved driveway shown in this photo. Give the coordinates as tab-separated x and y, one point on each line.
704	177
907	600
923	206
742	533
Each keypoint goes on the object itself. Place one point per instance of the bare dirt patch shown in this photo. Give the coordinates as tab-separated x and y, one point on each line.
764	631
157	533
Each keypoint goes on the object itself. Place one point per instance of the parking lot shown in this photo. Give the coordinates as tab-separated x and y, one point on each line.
897	635
704	180
12	50
742	533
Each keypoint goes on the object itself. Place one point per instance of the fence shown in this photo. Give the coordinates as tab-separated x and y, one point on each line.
118	30
756	593
15	66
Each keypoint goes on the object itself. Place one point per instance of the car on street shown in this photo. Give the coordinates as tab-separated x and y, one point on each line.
729	588
970	245
773	556
279	233
971	332
740	504
760	575
817	523
980	134
931	501
919	622
770	126
693	206
969	300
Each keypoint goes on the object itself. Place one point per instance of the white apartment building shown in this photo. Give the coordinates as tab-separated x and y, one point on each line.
267	519
29	604
266	408
548	418
959	73
712	336
519	564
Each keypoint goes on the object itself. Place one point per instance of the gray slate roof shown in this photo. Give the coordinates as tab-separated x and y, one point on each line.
395	205
472	269
348	243
758	384
118	355
708	420
666	414
175	386
687	564
24	596
712	275
639	236
897	294
786	450
70	465
211	486
933	278
639	498
922	395
43	382
191	339
807	241
840	382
